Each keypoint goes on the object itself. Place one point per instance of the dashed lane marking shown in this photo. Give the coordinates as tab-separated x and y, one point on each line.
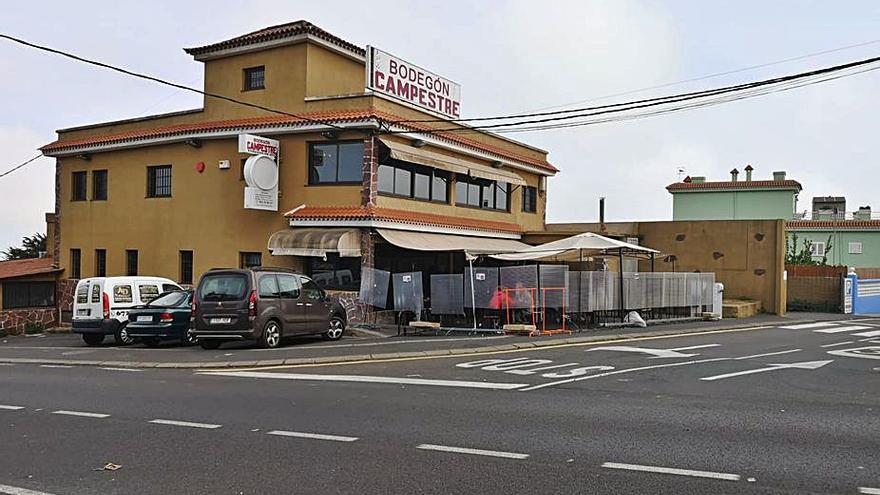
804	326
838	343
768	354
189	424
14	490
10	408
464	450
869	491
666	470
122	369
369	379
81	414
55	366
850	328
874	333
313	436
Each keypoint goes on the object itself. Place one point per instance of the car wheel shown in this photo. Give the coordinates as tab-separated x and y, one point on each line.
189	338
210	344
93	338
337	327
271	337
122	337
152	341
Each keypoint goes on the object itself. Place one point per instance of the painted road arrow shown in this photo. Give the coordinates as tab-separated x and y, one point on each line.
655	353
805	365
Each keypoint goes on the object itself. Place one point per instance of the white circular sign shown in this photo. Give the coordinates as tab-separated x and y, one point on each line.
261	171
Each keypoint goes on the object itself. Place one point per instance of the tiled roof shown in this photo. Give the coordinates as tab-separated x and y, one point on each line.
22	268
274	121
834	224
402	216
272	33
740	184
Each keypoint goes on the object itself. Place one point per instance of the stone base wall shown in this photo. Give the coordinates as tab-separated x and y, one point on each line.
64	293
13	321
355	311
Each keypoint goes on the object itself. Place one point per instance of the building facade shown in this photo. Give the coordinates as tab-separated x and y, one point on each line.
362	177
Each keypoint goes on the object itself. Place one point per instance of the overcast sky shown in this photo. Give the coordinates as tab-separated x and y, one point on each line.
509	57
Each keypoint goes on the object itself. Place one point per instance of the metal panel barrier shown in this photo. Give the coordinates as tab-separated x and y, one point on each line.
408	292
374	287
447	294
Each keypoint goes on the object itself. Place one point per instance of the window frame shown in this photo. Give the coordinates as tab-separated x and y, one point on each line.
128	262
415	170
182	262
310	151
75	263
531	193
246	79
481	186
73	185
850	246
29	298
152	181
106	176
814	248
100	262
242	257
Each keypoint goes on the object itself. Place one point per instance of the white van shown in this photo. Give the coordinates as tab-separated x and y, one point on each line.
101	304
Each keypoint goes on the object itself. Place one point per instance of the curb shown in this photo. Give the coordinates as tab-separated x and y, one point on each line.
537	344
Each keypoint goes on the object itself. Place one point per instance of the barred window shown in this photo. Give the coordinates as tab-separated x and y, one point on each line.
75	263
100	262
159	181
78	186
529	199
250	260
255	78
131	262
99	185
186	267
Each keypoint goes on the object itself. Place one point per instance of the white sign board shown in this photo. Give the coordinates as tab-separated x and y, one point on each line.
260	199
260	172
257	145
403	81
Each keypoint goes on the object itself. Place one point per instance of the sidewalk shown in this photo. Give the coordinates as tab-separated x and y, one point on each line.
69	349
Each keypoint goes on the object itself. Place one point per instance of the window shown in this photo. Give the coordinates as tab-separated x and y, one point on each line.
268	287
288	286
96	293
148	292
398	178
170	300
75	264
311	290
186	267
336	163
855	248
82	294
335	272
223	287
78	186
131	262
159	181
481	193
99	185
170	288
100	262
250	260
28	294
122	294
255	78
529	199
817	248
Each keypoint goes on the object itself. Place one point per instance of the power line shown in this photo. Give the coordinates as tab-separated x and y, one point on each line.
161	81
13	169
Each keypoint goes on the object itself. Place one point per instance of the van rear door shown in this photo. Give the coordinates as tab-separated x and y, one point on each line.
222	301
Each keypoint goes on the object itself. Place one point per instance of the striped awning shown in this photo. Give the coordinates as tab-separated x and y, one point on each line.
315	242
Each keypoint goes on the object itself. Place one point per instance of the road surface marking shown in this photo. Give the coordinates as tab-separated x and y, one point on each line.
655	353
838	343
618	372
769	354
869	491
806	365
121	369
870	352
314	436
82	414
850	328
695	347
55	366
11	408
666	470
532	371
369	379
184	423
463	450
804	326
373	344
14	490
874	333
6	364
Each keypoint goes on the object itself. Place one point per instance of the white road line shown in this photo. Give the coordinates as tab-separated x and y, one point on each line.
850	328
665	470
869	491
838	343
804	326
6	364
314	436
11	408
874	333
464	450
82	414
184	423
769	354
368	379
121	369
806	365
55	366
695	347
14	490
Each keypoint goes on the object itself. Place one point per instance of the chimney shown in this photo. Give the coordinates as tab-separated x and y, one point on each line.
779	175
749	173
734	174
864	213
602	213
698	179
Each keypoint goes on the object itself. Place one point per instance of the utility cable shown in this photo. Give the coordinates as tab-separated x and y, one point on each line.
13	169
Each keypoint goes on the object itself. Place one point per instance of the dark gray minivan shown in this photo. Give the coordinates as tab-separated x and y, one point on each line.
264	304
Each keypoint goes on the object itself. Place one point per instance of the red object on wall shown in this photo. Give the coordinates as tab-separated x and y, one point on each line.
200	167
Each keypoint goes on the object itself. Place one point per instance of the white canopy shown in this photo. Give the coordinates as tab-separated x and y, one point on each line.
315	242
571	248
424	241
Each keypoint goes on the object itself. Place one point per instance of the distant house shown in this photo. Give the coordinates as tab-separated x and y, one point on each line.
28	294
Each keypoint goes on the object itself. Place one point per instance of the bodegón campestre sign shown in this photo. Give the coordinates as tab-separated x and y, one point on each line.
399	79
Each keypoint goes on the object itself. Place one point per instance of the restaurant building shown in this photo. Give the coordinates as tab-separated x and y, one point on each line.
333	157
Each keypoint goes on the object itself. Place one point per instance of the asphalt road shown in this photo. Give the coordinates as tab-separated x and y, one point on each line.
768	410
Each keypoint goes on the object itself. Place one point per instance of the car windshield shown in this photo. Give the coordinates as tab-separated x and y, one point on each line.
169	300
223	287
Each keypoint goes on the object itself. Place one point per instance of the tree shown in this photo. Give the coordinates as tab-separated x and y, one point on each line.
30	248
804	255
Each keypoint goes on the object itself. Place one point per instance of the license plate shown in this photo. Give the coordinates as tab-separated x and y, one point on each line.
144	318
83	312
221	321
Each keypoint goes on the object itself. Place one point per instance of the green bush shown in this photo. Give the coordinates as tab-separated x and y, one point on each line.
32	328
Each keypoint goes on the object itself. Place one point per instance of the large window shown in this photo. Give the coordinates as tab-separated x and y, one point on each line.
28	294
186	267
100	262
131	262
78	186
159	181
75	263
99	185
250	260
480	193
336	163
529	199
412	181
255	78
336	272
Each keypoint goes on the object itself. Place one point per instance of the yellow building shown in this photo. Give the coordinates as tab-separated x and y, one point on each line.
362	177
